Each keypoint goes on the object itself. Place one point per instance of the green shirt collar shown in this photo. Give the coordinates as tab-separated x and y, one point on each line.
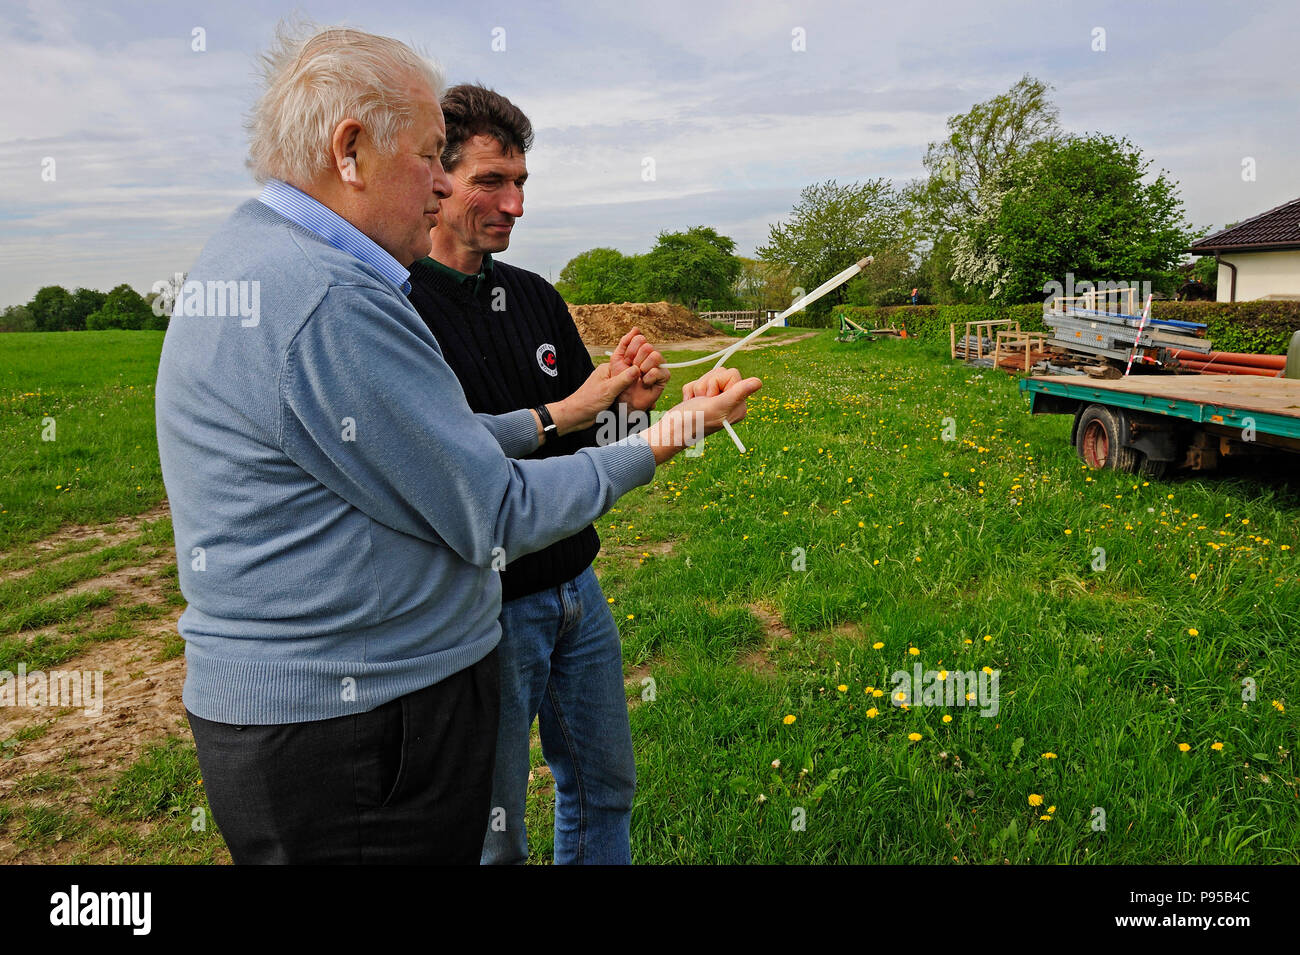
471	283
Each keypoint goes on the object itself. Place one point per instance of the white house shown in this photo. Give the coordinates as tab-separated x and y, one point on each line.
1258	258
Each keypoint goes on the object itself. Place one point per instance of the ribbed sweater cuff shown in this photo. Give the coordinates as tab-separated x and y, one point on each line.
518	433
630	462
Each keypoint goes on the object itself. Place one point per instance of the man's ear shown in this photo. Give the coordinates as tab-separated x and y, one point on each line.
343	146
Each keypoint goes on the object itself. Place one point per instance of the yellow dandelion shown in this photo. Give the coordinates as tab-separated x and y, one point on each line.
1045	818
1049	756
1193	631
988	670
1035	799
842	688
1183	747
631	616
914	737
1216	746
877	694
914	651
788	719
947	718
872	713
877	645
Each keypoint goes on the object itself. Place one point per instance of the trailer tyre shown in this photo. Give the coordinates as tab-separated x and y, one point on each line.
1097	440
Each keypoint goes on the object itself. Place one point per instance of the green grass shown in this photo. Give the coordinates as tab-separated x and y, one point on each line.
103	461
911	541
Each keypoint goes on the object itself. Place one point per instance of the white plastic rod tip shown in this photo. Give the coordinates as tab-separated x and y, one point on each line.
734	437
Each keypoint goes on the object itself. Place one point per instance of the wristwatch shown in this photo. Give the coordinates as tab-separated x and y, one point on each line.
548	423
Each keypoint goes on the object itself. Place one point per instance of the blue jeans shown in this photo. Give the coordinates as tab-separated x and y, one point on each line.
562	662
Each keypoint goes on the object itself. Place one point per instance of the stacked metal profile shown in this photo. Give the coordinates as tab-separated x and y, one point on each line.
1114	335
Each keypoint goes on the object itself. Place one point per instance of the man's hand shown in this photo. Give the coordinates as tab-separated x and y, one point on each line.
701	415
714	383
634	351
597	393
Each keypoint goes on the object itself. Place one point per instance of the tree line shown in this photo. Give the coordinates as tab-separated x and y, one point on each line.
1009	202
56	309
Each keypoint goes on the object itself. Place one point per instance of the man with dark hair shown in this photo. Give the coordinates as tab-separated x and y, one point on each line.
508	336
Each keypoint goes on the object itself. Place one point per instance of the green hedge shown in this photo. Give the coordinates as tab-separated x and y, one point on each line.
1261	327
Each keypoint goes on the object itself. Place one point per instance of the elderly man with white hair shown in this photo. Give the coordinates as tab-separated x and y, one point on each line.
338	508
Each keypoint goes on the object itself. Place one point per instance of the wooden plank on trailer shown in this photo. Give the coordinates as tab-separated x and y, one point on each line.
1280	396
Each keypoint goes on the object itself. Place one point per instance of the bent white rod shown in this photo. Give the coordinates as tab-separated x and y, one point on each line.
827	286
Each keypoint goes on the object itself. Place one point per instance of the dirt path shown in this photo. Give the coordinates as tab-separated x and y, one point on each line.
61	756
60	545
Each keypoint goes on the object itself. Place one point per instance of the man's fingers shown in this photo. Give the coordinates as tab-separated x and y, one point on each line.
655	376
620	350
741	392
649	361
625	379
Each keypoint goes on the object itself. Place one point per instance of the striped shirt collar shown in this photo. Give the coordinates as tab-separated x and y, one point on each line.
296	206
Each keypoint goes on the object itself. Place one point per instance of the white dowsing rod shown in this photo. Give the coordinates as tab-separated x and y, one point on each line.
827	286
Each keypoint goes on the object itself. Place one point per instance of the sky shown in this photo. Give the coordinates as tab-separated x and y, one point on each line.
123	146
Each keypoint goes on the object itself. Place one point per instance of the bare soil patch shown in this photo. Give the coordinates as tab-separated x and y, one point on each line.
106	535
658	321
82	749
775	633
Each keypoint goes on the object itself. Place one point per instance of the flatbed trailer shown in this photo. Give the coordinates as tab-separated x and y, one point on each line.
1151	424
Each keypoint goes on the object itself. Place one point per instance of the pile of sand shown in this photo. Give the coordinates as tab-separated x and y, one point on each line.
658	321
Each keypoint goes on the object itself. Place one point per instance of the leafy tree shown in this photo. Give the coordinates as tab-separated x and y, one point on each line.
935	276
1206	269
980	143
123	308
17	318
85	301
689	266
1076	205
762	285
51	308
598	276
833	226
888	280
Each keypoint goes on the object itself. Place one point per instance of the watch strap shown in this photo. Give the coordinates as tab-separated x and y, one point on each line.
548	423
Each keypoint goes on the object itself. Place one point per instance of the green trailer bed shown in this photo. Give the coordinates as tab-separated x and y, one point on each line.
1151	423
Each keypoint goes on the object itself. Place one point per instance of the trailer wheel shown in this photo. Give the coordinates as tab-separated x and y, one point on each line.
1098	441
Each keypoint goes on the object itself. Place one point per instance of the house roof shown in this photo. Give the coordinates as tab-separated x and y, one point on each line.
1276	229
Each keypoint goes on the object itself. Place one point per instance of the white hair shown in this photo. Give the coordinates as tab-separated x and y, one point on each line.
314	82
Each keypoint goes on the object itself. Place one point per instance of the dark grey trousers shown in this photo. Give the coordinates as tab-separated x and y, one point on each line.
409	782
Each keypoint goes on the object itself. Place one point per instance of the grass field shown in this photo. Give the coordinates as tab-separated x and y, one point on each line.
765	600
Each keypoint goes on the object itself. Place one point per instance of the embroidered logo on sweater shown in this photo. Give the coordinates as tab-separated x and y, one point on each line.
546	359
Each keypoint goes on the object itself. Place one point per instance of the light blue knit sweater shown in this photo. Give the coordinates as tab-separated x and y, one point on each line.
337	506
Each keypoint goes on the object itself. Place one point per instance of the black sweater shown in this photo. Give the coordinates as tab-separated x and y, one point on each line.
504	359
